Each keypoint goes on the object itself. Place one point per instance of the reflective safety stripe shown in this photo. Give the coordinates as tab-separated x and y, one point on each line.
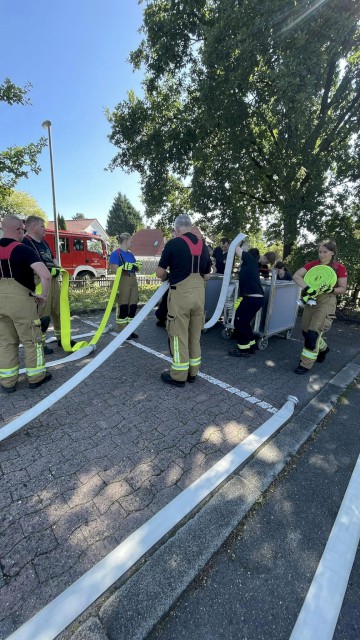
252	342
180	366
9	373
312	355
244	346
39	355
121	321
176	354
34	371
322	344
194	362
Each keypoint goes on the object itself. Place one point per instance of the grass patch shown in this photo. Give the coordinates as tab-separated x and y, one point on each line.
95	298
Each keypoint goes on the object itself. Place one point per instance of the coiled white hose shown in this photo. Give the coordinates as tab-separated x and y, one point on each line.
226	281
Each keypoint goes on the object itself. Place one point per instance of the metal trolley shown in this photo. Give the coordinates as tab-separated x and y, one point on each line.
277	316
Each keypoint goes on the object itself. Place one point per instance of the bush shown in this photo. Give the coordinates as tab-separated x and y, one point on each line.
94	298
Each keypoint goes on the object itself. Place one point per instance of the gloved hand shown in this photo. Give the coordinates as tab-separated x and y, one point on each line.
308	294
55	271
326	289
237	302
128	266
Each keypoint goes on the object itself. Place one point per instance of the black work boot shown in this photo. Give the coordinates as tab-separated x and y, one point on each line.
322	355
9	389
239	353
47	350
300	370
35	385
166	377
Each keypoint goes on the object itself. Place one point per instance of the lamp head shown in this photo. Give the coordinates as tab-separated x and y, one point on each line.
46	124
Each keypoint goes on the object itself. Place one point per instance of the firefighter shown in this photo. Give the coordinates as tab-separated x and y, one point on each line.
317	319
187	258
251	299
127	297
19	319
34	238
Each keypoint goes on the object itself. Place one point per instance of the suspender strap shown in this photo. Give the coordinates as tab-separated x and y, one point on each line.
5	253
195	250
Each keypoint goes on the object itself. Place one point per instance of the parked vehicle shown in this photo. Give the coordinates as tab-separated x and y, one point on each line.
83	255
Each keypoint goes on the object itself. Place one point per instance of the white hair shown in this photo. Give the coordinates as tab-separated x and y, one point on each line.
182	221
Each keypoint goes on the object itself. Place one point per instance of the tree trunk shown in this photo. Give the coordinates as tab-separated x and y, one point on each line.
290	217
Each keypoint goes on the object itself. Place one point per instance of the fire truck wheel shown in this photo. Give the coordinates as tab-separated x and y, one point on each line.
85	275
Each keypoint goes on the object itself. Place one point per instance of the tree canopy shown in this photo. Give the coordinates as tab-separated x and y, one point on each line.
17	162
79	216
20	203
123	217
250	113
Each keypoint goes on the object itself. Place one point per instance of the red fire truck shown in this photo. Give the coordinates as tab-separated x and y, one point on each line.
83	255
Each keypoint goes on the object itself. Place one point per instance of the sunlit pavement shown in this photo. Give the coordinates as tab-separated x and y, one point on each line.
87	473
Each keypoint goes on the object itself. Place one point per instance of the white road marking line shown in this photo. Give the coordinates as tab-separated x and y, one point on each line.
320	611
227	387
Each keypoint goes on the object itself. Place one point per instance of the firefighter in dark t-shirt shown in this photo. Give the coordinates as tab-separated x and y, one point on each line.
187	258
34	238
19	319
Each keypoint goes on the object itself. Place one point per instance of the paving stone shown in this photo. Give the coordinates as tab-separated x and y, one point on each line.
26	550
12	534
69	520
35	522
83	493
16	590
140	474
5	499
110	523
138	500
111	493
69	466
60	560
117	471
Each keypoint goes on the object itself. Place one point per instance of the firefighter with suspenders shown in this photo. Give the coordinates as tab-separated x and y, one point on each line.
127	296
34	238
19	318
187	258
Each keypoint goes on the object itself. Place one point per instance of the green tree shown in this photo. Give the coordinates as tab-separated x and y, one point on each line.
20	203
79	216
17	162
61	222
251	107
123	217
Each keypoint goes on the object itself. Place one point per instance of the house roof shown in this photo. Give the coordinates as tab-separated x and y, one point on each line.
147	242
77	225
150	242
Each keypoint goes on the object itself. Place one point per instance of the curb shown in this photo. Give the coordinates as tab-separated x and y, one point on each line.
154	587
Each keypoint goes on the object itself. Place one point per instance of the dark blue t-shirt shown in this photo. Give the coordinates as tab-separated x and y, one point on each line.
249	278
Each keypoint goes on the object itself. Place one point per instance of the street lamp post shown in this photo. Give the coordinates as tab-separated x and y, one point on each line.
47	125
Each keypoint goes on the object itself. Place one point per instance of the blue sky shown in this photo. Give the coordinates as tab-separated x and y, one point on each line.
74	53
